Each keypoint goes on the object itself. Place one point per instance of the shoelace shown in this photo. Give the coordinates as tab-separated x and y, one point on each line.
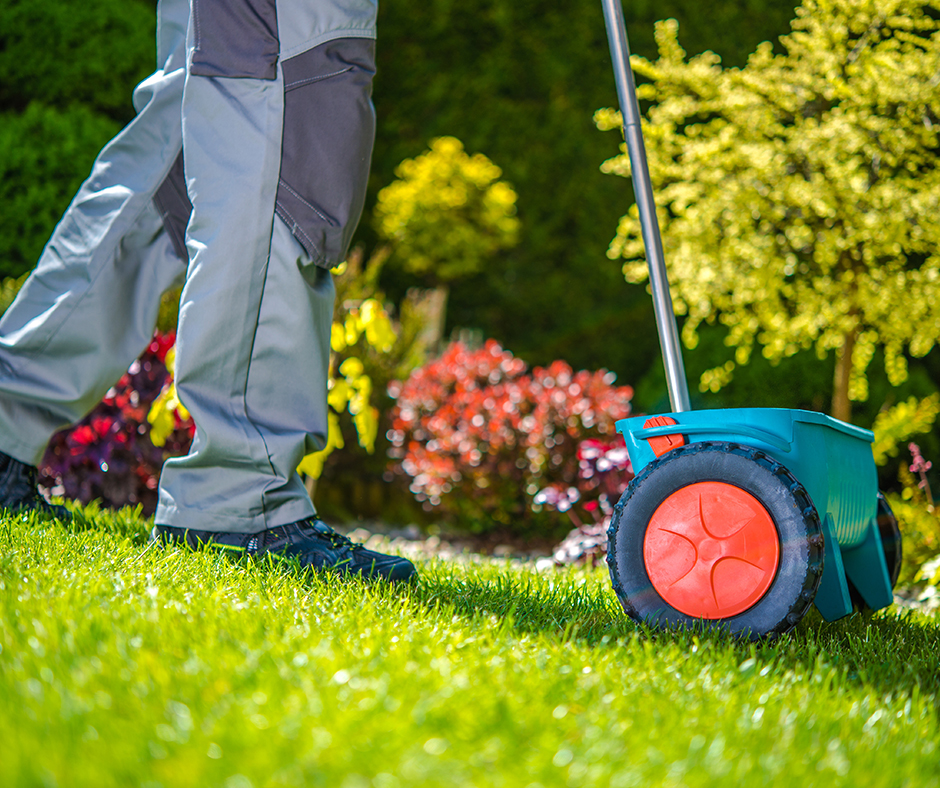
274	539
322	530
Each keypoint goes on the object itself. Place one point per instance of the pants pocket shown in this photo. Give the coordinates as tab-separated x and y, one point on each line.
234	38
329	130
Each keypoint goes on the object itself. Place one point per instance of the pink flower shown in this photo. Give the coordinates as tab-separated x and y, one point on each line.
919	465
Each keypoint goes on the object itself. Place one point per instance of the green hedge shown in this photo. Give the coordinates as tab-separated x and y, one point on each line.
63	52
45	154
67	70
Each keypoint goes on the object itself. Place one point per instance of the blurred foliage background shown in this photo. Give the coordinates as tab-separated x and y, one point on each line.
518	81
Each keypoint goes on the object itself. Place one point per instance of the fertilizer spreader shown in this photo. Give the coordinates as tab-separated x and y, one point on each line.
738	519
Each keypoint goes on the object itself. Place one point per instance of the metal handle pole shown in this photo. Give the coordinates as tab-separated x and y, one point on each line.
643	188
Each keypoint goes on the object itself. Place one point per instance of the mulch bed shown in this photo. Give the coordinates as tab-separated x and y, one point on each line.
412	542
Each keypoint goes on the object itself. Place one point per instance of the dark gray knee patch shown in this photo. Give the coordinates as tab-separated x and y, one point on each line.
173	205
235	38
329	129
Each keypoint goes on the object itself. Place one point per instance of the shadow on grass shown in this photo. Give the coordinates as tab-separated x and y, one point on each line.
890	652
530	604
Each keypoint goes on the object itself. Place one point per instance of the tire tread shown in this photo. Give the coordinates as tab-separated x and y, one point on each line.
815	540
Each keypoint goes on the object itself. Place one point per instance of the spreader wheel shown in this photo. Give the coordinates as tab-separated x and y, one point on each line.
717	534
891	541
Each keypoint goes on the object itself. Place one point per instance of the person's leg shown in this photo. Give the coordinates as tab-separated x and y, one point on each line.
284	402
89	308
276	156
276	159
66	340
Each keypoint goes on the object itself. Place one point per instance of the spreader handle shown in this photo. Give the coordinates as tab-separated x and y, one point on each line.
643	189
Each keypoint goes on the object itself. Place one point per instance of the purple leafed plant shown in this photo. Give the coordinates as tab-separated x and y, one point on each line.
108	455
604	471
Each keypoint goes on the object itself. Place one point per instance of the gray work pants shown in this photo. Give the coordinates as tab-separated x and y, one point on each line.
243	176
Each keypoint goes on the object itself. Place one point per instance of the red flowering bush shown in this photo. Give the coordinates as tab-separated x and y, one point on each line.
108	455
479	437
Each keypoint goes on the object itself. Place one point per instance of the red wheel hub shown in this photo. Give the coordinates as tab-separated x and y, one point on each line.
711	550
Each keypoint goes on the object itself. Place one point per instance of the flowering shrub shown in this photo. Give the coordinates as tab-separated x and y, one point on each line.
604	470
479	437
919	520
109	455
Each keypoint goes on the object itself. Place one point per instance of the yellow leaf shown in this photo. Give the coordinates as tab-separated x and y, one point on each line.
170	361
337	338
367	425
351	328
161	418
352	368
338	395
312	464
377	325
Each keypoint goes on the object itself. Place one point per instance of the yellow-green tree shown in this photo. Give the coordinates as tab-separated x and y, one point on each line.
445	216
799	196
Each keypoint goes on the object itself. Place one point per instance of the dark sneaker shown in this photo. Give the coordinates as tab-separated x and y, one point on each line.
19	492
310	541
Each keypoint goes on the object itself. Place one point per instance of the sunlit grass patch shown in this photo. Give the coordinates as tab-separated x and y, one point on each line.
123	663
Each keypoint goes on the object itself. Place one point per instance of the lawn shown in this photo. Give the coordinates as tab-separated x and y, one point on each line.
124	664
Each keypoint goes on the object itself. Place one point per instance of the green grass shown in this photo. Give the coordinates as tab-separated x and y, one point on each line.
124	664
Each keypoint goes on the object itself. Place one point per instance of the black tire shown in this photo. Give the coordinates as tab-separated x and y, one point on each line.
800	547
891	539
891	546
